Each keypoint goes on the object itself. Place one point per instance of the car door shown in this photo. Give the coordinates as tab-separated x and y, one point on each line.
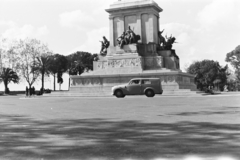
134	87
145	84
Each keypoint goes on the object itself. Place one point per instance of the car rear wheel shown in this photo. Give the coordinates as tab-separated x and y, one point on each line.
119	94
149	93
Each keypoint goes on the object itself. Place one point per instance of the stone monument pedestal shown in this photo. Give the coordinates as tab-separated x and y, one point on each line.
142	59
171	60
119	67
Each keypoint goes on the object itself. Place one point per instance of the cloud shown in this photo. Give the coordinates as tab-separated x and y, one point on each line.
183	33
219	28
219	12
216	30
176	27
42	31
186	36
5	23
13	31
92	43
76	19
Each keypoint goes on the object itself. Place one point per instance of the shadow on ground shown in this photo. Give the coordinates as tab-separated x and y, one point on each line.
25	138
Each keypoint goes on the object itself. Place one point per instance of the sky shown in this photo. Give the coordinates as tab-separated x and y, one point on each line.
204	29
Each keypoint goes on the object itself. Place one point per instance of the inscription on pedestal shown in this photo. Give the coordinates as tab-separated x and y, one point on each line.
118	63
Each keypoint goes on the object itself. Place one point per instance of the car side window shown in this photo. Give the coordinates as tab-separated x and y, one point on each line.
146	82
134	82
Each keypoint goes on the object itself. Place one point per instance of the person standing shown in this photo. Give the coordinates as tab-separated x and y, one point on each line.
30	91
27	91
33	90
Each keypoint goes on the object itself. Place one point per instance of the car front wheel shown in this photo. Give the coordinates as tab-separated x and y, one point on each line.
119	94
149	93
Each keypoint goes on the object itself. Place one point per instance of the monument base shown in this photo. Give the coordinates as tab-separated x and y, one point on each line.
171	60
133	61
172	81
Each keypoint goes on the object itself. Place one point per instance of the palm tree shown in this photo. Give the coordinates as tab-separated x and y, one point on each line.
44	63
59	66
8	75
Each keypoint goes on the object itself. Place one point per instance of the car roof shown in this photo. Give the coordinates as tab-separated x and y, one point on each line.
145	78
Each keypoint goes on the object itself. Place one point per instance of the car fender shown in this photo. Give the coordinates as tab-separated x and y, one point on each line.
149	88
120	88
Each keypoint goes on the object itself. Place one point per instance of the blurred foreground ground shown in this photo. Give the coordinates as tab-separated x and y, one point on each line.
133	128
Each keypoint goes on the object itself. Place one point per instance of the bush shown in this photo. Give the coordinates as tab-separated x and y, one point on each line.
47	90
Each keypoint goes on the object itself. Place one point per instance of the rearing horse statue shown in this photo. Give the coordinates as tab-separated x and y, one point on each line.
162	41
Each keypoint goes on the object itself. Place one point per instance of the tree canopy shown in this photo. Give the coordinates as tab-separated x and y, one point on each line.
30	58
80	62
9	54
208	73
29	50
58	66
233	58
43	64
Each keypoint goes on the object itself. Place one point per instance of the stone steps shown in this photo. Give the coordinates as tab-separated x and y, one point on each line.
71	94
180	92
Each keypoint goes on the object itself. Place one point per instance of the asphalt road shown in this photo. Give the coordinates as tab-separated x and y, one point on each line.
132	128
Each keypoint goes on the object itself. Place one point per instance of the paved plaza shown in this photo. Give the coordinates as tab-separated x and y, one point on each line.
132	128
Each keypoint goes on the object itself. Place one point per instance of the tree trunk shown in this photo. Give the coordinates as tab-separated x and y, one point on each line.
6	87
42	81
68	82
59	86
29	89
54	82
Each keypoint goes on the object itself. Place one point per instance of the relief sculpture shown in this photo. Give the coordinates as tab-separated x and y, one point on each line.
124	63
101	65
148	62
159	61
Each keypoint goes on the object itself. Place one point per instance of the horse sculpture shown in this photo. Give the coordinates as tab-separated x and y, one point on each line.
162	41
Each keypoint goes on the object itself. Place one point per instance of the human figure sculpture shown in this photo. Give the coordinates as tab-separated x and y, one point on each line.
165	44
128	37
169	42
105	44
133	38
121	40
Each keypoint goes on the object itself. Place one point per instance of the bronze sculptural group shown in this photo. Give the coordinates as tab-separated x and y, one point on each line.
169	42
165	44
127	37
162	41
105	45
